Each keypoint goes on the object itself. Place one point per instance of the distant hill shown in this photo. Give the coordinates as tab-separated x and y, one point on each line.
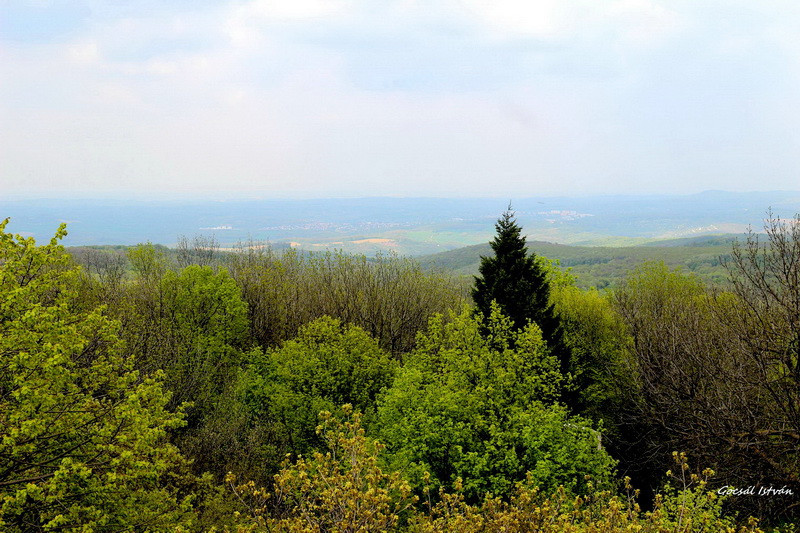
603	266
697	242
593	266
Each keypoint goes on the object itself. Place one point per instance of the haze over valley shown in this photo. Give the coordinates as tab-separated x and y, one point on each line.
408	226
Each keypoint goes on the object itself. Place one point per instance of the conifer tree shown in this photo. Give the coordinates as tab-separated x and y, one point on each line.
517	281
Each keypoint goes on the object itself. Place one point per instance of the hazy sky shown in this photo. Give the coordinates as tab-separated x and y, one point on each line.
299	98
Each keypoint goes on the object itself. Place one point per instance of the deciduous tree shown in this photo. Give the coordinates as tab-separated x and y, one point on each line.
82	435
328	364
476	400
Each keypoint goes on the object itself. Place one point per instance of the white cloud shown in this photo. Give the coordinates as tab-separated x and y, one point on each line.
406	97
245	24
514	18
643	22
296	9
637	22
83	53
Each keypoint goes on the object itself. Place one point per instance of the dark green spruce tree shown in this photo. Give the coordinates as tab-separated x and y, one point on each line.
516	280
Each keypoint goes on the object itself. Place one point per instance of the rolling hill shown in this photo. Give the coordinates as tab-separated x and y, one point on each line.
604	266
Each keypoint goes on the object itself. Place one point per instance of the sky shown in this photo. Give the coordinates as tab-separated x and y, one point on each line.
338	98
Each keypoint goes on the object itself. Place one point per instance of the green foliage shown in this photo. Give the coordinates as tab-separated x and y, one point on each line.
692	509
208	320
513	278
341	490
345	490
599	346
518	282
602	266
82	436
480	407
192	325
690	505
328	364
148	261
208	302
467	403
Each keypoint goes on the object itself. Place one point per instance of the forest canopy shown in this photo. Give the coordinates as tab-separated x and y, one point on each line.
268	390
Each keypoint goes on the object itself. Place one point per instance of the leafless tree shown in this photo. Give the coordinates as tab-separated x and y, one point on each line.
764	274
391	297
200	250
107	265
717	370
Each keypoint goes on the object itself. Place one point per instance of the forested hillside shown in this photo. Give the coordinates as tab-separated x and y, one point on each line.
260	389
591	266
604	266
